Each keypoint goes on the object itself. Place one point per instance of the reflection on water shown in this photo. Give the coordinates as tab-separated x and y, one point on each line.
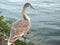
45	19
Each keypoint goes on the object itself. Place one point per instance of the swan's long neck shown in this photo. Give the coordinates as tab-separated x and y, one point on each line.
25	16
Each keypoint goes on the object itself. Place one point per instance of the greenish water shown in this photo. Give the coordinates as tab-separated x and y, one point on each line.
45	19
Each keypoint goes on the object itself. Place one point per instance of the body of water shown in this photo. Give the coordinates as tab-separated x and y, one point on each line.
45	19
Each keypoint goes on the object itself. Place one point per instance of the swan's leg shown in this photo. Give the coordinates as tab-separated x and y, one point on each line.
25	37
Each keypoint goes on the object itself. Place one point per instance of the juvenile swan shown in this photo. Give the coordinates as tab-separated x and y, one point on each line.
20	28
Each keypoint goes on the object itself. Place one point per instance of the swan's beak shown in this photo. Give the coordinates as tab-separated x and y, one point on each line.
32	7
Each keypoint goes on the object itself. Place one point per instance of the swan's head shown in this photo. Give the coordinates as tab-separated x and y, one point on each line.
28	5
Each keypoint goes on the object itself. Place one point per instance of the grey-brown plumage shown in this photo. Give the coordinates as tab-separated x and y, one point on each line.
20	28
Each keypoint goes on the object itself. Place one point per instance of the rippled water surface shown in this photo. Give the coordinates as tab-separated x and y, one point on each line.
45	18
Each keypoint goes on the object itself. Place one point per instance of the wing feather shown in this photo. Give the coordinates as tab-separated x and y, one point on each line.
18	29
